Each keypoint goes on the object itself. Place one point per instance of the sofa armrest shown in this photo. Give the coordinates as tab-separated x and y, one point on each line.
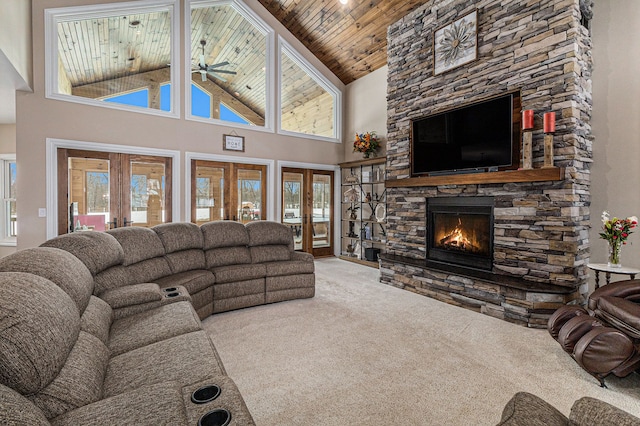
594	412
161	403
133	299
136	294
525	409
298	255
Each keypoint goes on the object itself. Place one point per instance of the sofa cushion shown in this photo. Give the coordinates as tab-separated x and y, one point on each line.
589	411
80	380
194	281
97	250
237	289
16	410
178	236
289	267
227	256
186	260
138	244
132	295
152	326
56	265
96	319
224	233
233	273
187	358
158	404
142	272
271	253
525	409
39	325
265	233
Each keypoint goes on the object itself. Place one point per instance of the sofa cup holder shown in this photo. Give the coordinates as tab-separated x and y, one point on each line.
205	394
170	289
217	417
174	294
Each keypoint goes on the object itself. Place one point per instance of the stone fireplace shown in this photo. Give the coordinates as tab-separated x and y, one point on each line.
539	230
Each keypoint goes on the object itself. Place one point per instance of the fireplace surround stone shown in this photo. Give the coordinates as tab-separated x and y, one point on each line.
541	228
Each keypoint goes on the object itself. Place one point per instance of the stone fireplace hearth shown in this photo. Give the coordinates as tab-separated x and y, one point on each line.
540	217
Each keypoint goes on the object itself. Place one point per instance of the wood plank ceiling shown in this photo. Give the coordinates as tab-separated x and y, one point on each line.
351	39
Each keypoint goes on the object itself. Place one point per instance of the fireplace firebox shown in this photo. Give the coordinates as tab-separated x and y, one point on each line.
460	231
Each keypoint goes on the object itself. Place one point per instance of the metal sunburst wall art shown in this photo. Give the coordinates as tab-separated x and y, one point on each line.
456	44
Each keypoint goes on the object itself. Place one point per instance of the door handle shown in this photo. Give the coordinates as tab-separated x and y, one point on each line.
126	222
114	223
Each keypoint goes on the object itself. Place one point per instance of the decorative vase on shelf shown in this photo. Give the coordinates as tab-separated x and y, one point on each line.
613	261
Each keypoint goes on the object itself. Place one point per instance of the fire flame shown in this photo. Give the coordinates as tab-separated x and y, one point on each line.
456	238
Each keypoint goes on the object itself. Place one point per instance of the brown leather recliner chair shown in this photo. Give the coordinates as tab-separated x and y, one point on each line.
604	338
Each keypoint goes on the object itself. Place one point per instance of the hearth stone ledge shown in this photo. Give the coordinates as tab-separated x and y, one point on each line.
522	302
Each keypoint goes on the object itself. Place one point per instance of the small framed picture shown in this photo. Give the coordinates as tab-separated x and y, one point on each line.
455	44
233	143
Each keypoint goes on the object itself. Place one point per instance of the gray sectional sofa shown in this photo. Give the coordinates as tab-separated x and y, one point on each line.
104	328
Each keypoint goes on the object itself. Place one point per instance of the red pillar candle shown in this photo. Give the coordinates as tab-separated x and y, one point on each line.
549	122
527	119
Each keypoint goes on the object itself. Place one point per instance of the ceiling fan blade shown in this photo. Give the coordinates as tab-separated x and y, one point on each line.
218	65
219	77
224	72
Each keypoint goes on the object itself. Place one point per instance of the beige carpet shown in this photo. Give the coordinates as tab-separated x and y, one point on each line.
363	353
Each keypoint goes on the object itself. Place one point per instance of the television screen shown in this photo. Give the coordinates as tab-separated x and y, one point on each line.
472	138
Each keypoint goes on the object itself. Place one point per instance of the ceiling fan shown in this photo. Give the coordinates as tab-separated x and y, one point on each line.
213	70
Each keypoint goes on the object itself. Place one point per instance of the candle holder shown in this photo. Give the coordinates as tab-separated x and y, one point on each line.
549	126
548	151
527	149
527	138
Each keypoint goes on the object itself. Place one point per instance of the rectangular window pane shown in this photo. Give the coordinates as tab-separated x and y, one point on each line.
12	179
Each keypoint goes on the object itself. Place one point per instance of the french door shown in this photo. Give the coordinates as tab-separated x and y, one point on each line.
104	190
307	207
227	191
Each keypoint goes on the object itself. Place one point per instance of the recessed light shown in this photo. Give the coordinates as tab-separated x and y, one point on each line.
344	1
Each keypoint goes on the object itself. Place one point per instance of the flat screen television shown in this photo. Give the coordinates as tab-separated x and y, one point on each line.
479	137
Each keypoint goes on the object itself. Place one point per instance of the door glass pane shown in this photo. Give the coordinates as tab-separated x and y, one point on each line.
321	211
209	194
292	205
89	194
249	195
147	194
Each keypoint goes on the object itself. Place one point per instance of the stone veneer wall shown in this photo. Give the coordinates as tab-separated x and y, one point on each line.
541	228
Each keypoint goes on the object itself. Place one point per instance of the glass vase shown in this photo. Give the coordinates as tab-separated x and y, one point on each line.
613	261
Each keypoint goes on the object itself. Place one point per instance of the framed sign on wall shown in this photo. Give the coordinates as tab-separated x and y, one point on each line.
233	143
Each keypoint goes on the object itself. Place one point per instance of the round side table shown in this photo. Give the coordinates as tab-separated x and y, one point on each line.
608	270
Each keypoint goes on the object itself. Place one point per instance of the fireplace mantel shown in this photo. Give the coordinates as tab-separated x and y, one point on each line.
507	176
